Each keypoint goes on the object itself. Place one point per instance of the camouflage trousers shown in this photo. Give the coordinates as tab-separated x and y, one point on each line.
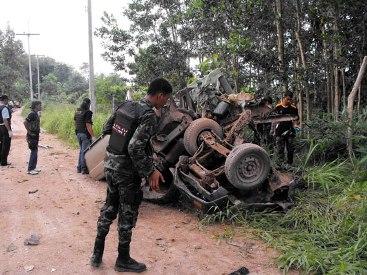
285	143
124	196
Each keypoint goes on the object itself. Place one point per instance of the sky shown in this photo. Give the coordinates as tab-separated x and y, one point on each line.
63	27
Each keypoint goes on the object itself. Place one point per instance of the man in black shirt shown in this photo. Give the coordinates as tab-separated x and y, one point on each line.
84	132
32	124
6	132
285	131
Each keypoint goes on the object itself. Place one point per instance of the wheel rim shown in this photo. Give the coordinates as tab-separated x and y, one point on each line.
249	169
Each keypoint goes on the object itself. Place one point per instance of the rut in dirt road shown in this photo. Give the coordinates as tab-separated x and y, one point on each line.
61	207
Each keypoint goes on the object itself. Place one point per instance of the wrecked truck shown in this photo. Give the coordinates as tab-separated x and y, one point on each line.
202	150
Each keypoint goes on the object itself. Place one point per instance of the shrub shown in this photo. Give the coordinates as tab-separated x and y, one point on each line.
59	120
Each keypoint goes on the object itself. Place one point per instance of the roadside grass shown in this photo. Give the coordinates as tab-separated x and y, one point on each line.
58	119
326	231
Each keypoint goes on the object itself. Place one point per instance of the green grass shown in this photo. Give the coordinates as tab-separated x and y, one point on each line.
58	119
326	232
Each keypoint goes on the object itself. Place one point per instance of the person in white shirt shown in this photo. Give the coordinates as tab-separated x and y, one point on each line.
6	132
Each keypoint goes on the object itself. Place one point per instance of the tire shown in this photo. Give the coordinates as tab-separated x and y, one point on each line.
192	133
247	166
168	193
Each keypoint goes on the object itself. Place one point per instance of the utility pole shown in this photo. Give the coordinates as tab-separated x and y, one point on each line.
92	94
38	77
29	62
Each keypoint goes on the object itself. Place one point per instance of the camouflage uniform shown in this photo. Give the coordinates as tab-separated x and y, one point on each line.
124	173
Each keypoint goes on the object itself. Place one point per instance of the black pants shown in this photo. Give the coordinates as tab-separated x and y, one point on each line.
262	134
5	142
285	143
33	146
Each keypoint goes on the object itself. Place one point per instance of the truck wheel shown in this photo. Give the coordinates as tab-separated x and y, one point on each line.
192	133
167	191
247	166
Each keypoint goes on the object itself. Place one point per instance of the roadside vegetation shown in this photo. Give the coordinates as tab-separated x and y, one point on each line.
58	119
313	48
326	231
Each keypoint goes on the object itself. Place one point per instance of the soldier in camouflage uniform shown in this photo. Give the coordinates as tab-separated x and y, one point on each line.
129	158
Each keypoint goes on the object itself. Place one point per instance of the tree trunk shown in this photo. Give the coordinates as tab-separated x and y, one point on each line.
300	107
280	43
330	89
300	93
303	61
315	91
336	93
344	91
328	107
336	67
359	99
327	69
331	92
351	98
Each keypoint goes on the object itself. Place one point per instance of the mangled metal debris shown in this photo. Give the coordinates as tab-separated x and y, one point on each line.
204	154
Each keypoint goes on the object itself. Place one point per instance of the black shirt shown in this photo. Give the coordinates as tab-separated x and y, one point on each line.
285	125
33	124
82	117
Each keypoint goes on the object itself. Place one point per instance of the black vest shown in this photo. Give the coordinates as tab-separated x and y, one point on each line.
1	117
79	119
123	128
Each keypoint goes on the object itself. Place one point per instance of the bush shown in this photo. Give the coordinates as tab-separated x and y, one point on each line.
59	120
331	138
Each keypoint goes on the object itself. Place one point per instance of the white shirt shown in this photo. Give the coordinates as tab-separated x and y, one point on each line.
5	113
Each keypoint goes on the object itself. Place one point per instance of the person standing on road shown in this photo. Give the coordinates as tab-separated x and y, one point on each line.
285	131
84	132
6	132
32	124
129	158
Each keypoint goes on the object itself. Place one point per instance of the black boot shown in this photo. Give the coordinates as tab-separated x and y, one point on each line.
96	258
125	263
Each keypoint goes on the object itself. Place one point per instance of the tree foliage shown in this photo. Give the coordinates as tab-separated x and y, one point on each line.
109	88
57	80
12	60
329	36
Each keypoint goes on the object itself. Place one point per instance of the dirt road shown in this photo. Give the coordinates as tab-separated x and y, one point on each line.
62	207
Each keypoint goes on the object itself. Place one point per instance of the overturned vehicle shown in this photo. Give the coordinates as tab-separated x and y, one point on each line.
206	159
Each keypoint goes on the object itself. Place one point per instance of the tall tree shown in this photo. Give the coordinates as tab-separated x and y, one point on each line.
12	60
280	43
